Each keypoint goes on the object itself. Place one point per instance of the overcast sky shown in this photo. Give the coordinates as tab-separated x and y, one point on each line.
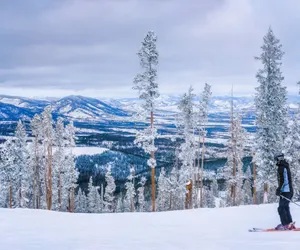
88	47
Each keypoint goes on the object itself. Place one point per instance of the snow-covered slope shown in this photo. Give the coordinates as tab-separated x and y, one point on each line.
23	102
207	229
79	107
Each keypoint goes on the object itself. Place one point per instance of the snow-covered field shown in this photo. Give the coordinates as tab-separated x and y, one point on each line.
207	229
88	150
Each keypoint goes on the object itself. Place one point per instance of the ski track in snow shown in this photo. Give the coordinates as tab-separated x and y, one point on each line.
207	229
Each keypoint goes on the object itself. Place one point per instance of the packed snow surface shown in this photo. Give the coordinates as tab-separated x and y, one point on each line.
207	229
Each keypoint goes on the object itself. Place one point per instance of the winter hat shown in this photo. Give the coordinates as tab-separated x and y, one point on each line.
278	156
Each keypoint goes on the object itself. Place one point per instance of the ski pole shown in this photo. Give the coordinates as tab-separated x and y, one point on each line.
290	200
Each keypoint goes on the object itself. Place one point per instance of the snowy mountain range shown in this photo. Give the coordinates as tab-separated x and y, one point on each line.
82	108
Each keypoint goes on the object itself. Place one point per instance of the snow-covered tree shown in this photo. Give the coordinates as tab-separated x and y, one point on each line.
59	164
80	202
271	111
146	84
23	172
247	197
109	191
47	126
209	198
177	189
8	176
202	123
130	192
163	197
120	204
141	195
38	162
236	147
186	125
292	149
93	198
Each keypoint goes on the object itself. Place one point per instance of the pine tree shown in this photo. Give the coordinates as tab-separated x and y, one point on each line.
146	84
93	198
47	127
292	149
209	198
59	164
236	146
71	173
186	124
109	191
130	192
163	192
120	204
247	188
270	101
141	195
80	202
8	176
37	162
23	172
202	122
177	189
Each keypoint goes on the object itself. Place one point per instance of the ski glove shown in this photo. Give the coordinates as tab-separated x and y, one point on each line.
278	192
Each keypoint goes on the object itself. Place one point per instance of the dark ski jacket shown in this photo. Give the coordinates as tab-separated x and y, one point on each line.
284	177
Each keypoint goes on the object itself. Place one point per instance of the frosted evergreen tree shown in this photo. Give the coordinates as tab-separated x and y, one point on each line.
236	147
186	124
59	164
141	195
93	198
163	192
71	174
292	150
80	202
271	112
202	123
130	192
47	126
209	198
120	204
23	172
247	192
177	189
109	191
38	162
8	176
146	84
69	180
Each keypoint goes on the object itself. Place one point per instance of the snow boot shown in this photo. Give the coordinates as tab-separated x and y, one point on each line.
280	227
291	226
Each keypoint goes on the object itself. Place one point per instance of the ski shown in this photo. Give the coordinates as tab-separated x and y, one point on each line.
271	230
255	229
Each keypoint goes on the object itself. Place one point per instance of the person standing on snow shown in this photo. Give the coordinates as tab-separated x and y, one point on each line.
284	190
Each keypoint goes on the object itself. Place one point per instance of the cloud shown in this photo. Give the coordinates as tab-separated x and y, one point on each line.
89	46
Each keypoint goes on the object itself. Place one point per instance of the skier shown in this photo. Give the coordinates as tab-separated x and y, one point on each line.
284	190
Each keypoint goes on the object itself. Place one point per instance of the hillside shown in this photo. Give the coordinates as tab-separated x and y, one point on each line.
208	229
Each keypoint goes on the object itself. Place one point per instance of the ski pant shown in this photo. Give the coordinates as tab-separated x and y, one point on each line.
284	209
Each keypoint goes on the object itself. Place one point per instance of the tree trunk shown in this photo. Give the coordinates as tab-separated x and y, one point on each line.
34	173
10	196
152	172
234	184
49	177
72	200
202	170
265	193
254	184
188	201
59	190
